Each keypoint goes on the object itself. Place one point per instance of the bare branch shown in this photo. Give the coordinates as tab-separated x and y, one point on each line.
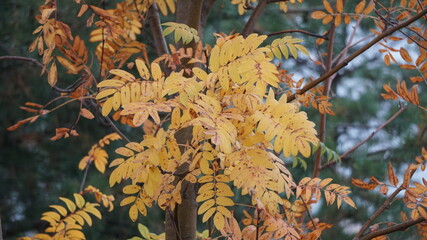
299	31
398	227
356	54
250	25
381	209
156	30
395	115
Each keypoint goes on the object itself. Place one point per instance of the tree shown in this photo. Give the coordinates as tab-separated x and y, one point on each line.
222	122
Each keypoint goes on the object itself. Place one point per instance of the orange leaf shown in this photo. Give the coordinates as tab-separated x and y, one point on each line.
360	6
53	75
318	14
82	10
337	20
369	9
405	55
407	66
328	6
340	6
327	19
86	113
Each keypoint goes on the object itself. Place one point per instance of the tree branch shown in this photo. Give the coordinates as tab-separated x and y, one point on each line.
250	25
398	227
381	209
156	30
322	122
395	115
356	54
299	31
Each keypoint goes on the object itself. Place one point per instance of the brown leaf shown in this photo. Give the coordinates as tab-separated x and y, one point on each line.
361	184
405	55
392	176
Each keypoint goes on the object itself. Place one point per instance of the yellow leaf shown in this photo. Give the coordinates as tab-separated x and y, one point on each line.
123	74
60	209
206	206
67	64
110	83
124	151
127	200
131	189
91	209
70	204
214	59
224	211
85	216
156	72
80	201
73	234
139	118
135	92
142	69
105	93
205	195
219	221
208	214
133	213
116	101
224	201
53	75
125	95
201	74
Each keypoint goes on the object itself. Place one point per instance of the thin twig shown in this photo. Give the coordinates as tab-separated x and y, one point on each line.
82	184
68	89
1	233
299	31
116	129
398	227
395	115
356	54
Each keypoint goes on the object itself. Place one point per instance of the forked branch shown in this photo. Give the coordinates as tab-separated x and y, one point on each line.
339	66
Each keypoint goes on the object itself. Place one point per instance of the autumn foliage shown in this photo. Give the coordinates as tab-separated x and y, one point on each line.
221	120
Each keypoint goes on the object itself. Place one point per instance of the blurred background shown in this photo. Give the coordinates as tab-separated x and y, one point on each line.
35	171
